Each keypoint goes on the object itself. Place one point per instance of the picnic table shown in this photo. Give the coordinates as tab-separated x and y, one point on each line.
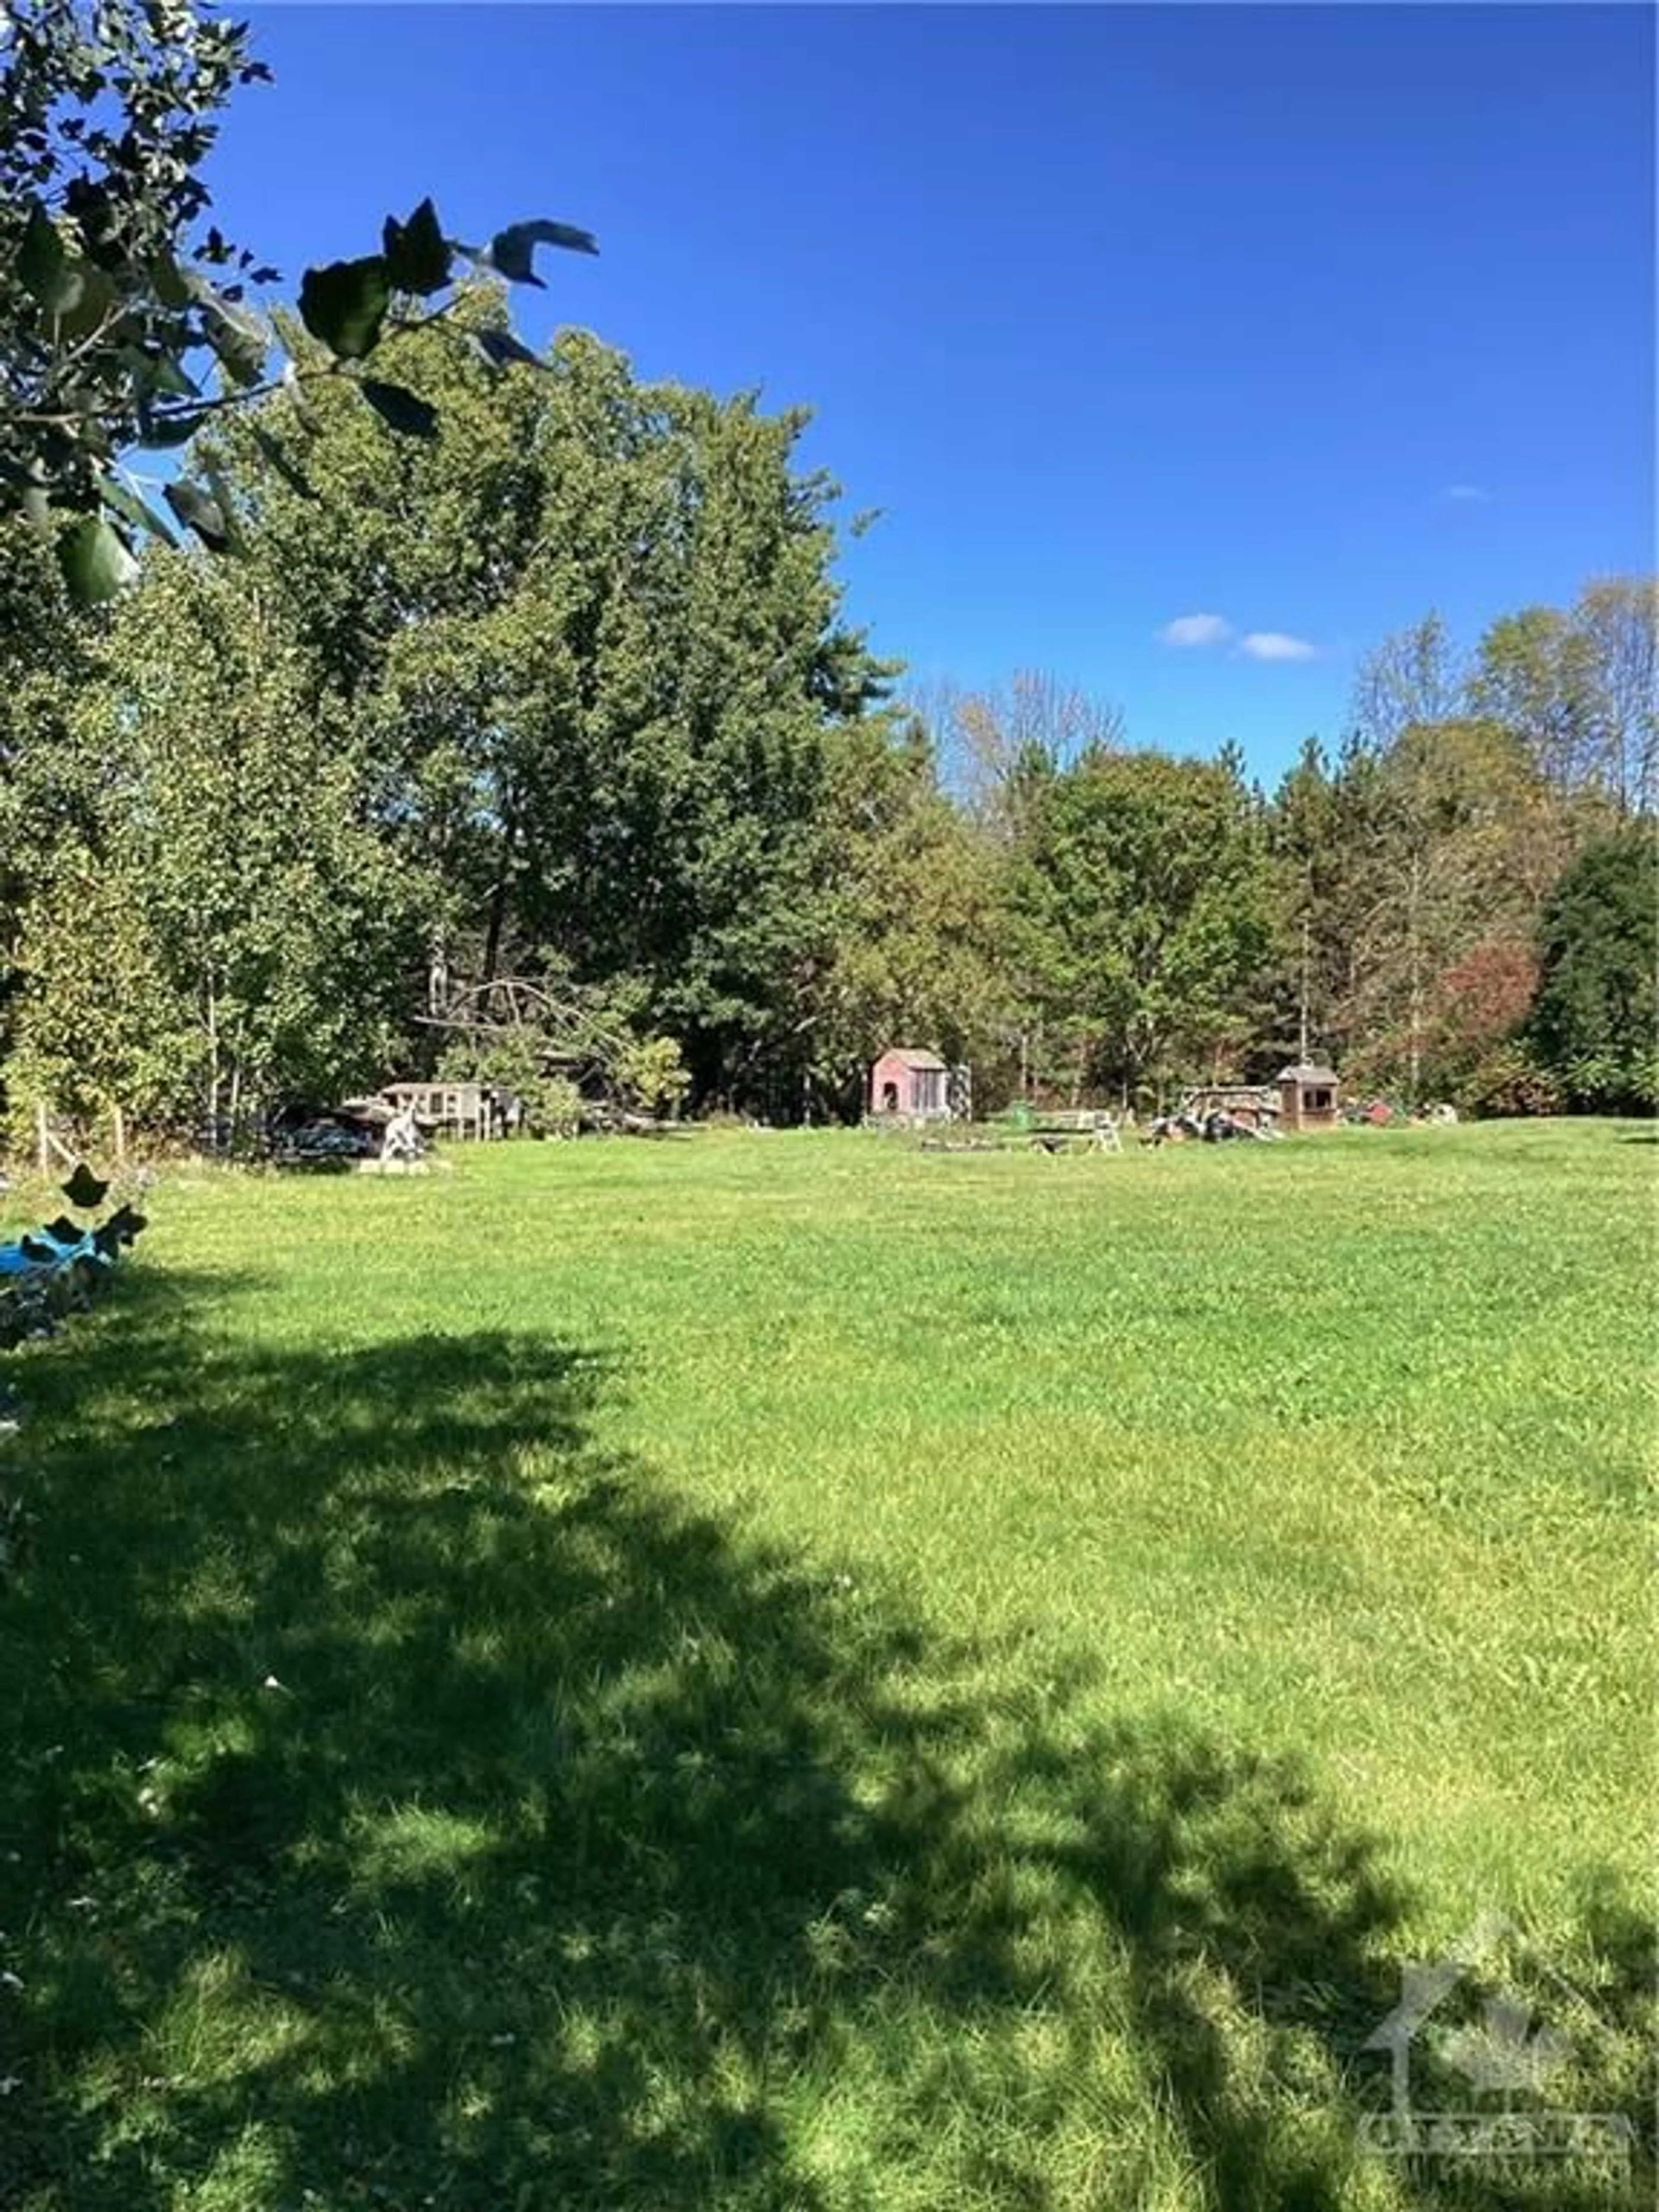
1085	1130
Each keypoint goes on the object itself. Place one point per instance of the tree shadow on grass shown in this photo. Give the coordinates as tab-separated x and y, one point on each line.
408	1802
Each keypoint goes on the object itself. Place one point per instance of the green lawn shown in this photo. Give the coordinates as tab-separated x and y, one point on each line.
792	1672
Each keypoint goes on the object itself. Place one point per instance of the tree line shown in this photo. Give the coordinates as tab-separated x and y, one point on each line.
562	689
530	686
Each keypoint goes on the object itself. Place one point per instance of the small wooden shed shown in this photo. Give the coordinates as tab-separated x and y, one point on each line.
910	1086
1309	1097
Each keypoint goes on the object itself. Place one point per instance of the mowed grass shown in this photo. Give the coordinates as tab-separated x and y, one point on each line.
791	1671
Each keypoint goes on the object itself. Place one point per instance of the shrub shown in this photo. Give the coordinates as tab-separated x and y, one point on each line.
1509	1083
651	1075
553	1105
1625	1082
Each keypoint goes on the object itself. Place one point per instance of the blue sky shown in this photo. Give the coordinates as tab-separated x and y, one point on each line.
1303	319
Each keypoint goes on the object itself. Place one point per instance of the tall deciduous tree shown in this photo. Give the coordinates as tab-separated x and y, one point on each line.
1415	677
586	640
996	741
1619	618
910	950
1143	902
224	931
1534	678
1461	847
1447	831
1579	686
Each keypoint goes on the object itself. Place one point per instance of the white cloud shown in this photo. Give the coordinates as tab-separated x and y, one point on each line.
1462	494
1274	645
1196	629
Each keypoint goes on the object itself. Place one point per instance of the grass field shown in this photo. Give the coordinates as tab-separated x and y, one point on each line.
790	1672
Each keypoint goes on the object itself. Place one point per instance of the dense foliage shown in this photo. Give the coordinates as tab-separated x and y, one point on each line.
118	296
526	677
1593	1021
561	699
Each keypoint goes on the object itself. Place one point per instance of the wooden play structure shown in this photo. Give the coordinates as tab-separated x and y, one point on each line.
1309	1097
449	1110
908	1084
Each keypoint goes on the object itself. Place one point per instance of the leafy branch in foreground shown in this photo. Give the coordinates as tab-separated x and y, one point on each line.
116	303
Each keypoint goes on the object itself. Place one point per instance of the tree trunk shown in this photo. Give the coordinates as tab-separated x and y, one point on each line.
437	973
214	1079
499	896
1414	982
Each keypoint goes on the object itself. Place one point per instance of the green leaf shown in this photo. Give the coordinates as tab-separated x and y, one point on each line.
241	347
294	477
158	375
401	410
95	295
345	303
84	1189
95	559
75	291
499	348
121	499
44	267
171	288
157	433
200	511
418	255
239	338
512	251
